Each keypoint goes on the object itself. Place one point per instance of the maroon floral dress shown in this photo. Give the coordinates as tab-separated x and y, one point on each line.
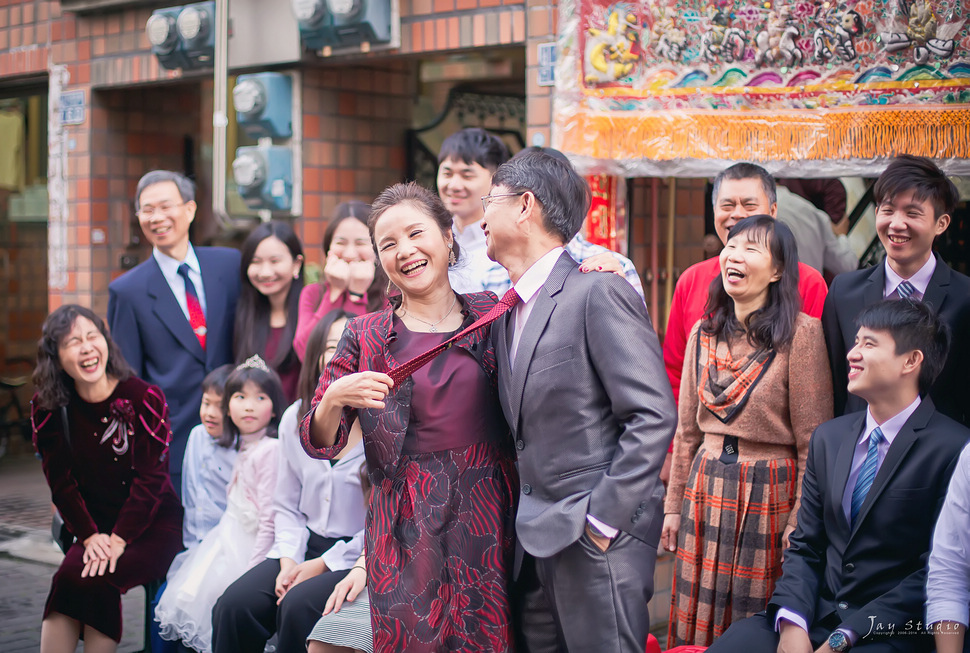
439	526
112	478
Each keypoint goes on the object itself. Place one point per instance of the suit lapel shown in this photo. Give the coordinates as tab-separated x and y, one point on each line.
215	301
500	330
874	289
169	313
938	287
894	457
534	328
843	465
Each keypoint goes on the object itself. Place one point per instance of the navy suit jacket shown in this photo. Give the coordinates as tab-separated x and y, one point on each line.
157	340
948	293
837	575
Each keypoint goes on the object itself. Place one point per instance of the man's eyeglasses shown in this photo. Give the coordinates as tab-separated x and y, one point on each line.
164	209
487	199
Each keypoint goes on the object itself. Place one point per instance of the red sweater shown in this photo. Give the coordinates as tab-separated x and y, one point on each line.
690	298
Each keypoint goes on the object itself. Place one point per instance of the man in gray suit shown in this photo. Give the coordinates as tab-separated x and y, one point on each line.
583	387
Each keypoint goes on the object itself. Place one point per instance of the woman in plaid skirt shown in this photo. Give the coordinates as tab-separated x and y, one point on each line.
756	383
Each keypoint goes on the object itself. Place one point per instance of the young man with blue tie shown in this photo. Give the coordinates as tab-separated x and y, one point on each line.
914	202
854	575
173	314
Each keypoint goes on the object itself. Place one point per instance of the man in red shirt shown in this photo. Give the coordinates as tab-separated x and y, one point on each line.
740	191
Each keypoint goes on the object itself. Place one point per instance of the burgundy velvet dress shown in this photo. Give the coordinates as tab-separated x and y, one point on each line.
112	478
439	527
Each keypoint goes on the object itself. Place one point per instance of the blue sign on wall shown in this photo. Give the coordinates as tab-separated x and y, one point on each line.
72	108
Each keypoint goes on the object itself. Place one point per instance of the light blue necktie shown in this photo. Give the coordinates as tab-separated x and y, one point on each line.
866	475
905	289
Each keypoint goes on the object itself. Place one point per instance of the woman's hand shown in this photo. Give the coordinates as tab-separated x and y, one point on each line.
97	553
299	573
284	578
604	262
784	537
346	590
360	390
668	536
117	548
337	273
361	276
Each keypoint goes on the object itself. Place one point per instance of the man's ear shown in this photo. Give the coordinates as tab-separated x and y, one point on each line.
913	362
942	223
530	206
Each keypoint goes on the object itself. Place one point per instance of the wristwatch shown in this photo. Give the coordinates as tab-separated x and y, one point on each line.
839	642
595	531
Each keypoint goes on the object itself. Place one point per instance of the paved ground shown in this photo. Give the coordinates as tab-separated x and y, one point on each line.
28	559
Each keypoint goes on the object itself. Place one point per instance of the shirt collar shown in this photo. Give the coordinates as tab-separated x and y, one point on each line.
920	280
170	266
892	426
535	277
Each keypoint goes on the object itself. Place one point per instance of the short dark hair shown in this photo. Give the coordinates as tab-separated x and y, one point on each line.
183	183
563	194
51	383
215	381
912	325
745	170
420	198
550	151
921	176
474	145
268	382
316	345
773	325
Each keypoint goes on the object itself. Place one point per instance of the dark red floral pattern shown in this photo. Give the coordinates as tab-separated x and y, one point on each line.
439	527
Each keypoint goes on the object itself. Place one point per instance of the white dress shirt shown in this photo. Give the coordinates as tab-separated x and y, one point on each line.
206	472
890	429
317	495
948	575
527	288
170	270
920	280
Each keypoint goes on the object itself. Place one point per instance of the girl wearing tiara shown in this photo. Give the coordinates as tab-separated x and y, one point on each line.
253	403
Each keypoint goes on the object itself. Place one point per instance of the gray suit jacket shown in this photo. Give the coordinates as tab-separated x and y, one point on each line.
590	410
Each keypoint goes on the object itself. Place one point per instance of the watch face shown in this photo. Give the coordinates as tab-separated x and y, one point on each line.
838	641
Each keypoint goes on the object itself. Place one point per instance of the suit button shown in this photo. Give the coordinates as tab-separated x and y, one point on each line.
520	445
843	605
634	519
850	567
526	489
643	505
639	511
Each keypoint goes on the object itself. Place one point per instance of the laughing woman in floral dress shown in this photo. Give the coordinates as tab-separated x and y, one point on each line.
108	474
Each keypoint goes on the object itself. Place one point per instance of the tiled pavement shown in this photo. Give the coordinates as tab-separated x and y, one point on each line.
28	559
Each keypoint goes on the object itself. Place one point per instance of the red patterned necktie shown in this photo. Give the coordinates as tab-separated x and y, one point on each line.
196	316
403	371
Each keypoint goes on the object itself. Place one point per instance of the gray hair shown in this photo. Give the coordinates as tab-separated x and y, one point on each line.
183	183
563	194
745	170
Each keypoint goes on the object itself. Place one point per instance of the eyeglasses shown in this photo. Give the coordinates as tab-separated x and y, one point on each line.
164	209
488	199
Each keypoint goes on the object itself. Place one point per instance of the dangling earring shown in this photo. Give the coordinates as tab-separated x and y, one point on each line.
452	259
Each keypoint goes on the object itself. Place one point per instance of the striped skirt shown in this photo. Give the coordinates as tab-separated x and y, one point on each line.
349	628
729	545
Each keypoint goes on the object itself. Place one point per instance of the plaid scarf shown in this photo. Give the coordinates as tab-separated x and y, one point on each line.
724	384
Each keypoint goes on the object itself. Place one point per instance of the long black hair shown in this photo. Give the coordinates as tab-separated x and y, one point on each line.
773	325
360	211
269	382
51	383
253	309
316	345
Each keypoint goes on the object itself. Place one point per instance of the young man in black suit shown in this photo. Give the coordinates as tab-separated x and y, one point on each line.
914	201
854	575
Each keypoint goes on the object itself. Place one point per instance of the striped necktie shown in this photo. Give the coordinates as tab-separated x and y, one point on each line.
403	371
196	316
905	290
866	475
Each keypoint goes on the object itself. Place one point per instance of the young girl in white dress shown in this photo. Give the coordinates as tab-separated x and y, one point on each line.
253	403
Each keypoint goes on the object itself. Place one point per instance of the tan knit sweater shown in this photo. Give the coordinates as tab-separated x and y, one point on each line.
792	398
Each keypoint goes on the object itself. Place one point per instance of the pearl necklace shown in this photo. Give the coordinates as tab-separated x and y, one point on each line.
433	325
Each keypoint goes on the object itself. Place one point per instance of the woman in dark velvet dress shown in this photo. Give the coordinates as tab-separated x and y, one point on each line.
439	528
108	477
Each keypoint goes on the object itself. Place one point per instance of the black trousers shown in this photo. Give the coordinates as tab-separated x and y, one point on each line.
246	615
583	599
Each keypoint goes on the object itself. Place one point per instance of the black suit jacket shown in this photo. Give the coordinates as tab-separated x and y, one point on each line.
157	339
948	293
874	572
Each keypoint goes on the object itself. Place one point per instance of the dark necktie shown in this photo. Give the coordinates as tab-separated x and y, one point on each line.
866	475
905	290
403	371
196	316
